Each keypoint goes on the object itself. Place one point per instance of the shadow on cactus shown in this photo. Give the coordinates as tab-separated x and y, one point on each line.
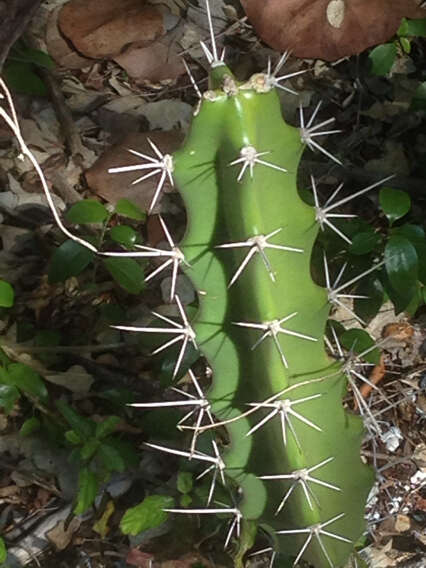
292	462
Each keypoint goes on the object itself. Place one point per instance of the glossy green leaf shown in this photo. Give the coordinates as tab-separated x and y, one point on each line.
8	396
368	308
359	341
419	99
84	427
184	481
87	490
7	295
394	202
87	211
416	235
128	209
382	58
127	273
29	426
124	235
363	243
146	515
27	380
401	263
68	260
412	28
106	427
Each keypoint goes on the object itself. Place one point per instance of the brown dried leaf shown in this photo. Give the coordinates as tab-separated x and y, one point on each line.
328	29
58	47
60	535
157	62
113	187
103	29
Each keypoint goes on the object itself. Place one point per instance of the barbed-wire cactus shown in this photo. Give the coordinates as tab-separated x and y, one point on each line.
293	451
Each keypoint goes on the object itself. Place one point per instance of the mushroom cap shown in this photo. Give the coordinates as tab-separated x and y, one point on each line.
328	29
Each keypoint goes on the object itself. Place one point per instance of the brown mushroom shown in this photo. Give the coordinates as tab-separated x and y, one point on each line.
328	29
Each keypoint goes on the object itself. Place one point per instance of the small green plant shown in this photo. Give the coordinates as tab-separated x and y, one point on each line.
97	452
21	66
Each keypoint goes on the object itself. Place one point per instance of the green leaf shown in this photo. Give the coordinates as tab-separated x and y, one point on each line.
111	458
22	52
87	211
22	78
394	202
125	449
3	551
8	396
363	243
401	264
89	449
27	380
87	490
419	99
68	260
185	500
106	427
73	437
412	28
146	515
29	426
124	235
127	273
416	235
184	481
405	44
382	58
82	426
368	308
128	209
7	294
358	341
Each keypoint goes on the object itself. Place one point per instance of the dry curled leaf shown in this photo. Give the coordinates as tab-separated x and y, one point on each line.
328	29
103	29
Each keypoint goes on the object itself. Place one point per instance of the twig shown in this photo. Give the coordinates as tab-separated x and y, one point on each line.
375	377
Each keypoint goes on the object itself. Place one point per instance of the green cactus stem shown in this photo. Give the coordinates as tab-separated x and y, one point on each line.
293	451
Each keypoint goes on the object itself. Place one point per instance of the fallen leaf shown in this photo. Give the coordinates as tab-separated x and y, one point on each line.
75	379
101	526
157	62
167	114
113	187
136	557
328	29
101	29
59	49
60	536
